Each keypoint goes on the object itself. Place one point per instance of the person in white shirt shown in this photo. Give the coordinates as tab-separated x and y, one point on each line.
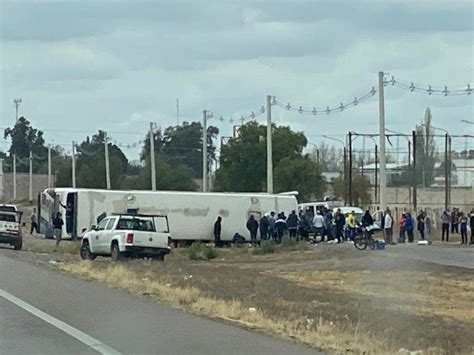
388	227
318	223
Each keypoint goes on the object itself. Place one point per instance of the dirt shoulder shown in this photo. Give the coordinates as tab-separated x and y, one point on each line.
331	297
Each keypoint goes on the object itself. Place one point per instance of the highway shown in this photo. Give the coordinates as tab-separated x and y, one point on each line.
46	312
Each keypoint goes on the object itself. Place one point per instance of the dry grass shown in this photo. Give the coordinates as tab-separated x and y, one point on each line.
447	296
65	247
315	332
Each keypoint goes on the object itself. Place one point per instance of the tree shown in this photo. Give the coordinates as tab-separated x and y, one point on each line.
91	163
25	138
300	174
243	164
360	189
183	145
330	159
168	177
425	152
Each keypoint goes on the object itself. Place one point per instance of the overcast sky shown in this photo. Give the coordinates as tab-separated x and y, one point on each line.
117	65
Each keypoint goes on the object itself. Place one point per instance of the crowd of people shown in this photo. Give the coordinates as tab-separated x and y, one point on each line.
330	226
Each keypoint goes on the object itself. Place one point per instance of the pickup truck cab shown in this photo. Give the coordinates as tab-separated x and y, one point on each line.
10	228
124	235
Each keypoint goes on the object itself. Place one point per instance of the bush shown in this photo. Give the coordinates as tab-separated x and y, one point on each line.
199	251
288	242
266	247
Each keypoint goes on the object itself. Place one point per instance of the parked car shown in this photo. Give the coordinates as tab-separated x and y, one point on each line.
8	208
10	228
124	235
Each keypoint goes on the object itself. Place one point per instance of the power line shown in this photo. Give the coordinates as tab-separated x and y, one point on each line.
428	89
329	109
243	118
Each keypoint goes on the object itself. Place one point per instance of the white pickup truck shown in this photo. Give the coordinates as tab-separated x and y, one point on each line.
128	235
10	227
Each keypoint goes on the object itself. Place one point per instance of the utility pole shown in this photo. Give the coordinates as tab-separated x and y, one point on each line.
30	187
345	174
269	146
14	177
350	168
49	167
383	173
73	164
177	112
107	163
204	151
414	170
446	183
17	103
376	173
152	158
450	163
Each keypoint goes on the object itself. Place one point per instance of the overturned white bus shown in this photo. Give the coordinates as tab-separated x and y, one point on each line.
191	214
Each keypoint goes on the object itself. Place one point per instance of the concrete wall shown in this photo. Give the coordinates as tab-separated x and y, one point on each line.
40	182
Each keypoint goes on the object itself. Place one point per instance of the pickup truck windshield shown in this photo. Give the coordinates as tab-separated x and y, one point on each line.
7	217
136	224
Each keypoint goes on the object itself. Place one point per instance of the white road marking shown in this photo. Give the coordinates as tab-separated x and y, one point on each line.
64	327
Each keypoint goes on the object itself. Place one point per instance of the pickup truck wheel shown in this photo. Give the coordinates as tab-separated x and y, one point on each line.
86	252
18	245
116	254
160	257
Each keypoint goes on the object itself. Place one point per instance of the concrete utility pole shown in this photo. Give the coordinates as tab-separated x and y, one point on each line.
30	187
14	177
177	112
350	169
269	146
446	172
107	163
414	182
204	151
49	167
383	173
73	164
17	103
152	158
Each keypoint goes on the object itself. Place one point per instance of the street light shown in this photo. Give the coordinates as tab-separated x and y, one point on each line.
345	160
17	103
317	151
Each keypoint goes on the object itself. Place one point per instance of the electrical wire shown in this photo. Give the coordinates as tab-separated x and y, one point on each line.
428	89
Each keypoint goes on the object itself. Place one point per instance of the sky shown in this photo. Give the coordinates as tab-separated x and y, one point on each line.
81	66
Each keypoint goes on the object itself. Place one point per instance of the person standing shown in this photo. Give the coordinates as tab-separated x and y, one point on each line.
217	232
420	224
367	219
271	226
428	228
401	227
463	227
264	227
318	223
34	222
340	221
252	226
454	221
471	224
351	223
58	227
445	219
280	227
304	227
292	224
388	227
409	227
328	219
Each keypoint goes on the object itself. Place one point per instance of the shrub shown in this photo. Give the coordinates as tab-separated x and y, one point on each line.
199	251
287	242
266	247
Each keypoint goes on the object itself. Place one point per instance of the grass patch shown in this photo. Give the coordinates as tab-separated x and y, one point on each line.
65	247
200	251
318	333
288	242
266	247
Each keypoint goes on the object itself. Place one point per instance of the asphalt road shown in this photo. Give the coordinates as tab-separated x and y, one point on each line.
108	319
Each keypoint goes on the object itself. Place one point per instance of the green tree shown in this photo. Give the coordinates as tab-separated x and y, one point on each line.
183	145
168	176
25	138
243	162
91	163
